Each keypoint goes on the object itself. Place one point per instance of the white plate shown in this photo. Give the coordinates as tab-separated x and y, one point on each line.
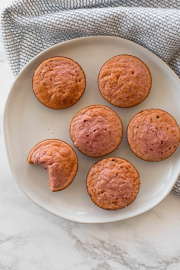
27	122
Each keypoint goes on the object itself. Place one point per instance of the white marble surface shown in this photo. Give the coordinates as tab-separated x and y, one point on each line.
32	239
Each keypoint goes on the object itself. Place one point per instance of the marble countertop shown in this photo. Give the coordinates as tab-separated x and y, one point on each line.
31	238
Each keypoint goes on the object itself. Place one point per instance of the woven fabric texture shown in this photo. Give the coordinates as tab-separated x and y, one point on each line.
30	26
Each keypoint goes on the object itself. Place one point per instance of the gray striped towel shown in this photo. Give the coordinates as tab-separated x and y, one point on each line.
30	26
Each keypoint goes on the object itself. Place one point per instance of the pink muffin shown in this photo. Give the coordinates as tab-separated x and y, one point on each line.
59	82
58	158
153	135
96	130
113	183
124	81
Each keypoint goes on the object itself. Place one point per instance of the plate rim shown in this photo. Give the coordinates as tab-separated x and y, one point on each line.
5	132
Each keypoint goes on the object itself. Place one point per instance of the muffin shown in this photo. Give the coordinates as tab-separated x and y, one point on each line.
58	158
153	135
124	81
113	183
96	130
58	82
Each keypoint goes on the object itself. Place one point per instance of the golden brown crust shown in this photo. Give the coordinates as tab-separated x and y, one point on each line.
153	135
124	81
60	160
101	143
113	183
59	82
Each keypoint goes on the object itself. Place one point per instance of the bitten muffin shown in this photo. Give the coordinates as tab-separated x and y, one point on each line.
153	135
58	158
96	130
113	183
124	81
59	82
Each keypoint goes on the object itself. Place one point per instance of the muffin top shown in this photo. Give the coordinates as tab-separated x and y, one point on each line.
96	130
113	183
124	81
58	158
58	82
153	135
